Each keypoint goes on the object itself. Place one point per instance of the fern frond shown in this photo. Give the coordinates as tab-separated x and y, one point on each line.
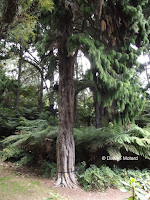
123	138
114	153
21	141
12	139
137	132
131	148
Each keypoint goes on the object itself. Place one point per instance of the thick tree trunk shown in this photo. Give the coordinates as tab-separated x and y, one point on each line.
65	141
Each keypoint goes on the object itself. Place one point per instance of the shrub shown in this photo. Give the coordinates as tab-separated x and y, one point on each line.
139	189
95	178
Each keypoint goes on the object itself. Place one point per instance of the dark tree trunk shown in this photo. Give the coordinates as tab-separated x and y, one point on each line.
99	105
95	98
40	102
102	112
97	110
16	106
65	141
52	92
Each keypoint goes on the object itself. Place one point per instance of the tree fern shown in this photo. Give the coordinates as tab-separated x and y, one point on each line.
114	139
30	139
33	136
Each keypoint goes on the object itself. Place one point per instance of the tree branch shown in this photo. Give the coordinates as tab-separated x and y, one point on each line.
82	84
34	64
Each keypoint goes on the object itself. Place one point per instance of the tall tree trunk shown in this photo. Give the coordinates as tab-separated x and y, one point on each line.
103	117
65	141
40	102
95	98
97	110
99	105
51	93
16	106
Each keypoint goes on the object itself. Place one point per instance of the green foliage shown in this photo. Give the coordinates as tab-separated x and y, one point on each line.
27	111
116	82
8	11
24	31
105	36
7	88
10	152
85	109
138	188
114	140
80	168
49	169
35	139
51	119
95	178
46	5
139	175
8	122
143	119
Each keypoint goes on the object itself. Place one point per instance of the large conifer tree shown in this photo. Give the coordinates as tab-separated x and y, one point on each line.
104	31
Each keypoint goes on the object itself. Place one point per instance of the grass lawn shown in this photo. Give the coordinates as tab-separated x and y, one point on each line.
15	186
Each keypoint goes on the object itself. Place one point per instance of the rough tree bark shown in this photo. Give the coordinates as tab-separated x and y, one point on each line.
65	140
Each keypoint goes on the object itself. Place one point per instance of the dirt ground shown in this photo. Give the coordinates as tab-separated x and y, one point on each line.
47	186
79	194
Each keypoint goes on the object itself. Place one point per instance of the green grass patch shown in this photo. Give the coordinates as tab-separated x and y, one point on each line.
10	186
16	187
37	183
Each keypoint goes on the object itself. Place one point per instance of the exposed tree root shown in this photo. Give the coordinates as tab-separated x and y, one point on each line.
67	180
